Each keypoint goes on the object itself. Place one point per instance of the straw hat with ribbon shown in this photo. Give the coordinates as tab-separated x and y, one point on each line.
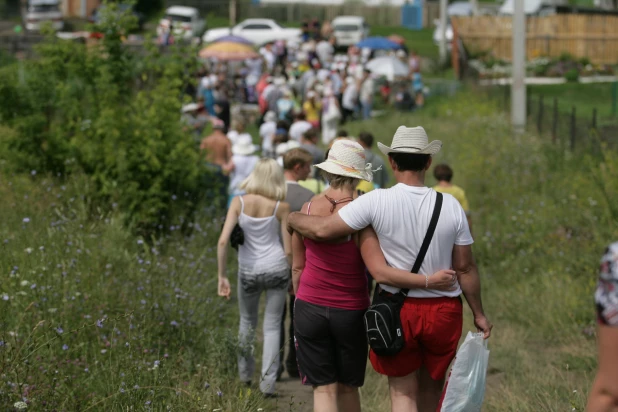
347	158
411	140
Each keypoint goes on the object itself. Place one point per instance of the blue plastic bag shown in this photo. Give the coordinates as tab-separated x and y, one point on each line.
465	389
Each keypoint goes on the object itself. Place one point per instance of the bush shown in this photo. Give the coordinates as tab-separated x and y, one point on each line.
102	111
572	75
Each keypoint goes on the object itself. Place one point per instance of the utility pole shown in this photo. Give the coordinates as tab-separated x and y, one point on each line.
443	49
518	85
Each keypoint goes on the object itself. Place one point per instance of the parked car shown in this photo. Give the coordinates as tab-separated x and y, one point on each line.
186	21
99	13
257	31
37	12
349	30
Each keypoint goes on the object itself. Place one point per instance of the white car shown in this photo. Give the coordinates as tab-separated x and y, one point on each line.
349	30
186	22
257	31
37	12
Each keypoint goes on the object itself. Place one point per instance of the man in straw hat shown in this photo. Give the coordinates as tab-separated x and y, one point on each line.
400	216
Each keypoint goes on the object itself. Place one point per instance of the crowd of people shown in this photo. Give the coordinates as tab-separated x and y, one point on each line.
307	78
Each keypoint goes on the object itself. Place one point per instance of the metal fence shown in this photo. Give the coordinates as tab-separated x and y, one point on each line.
574	129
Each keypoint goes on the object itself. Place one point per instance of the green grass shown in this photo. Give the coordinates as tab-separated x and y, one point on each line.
585	97
541	218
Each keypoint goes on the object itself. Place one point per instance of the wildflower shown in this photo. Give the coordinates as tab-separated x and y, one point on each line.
59	330
147	403
28	250
140	242
100	322
24	283
136	387
219	393
65	347
157	363
103	351
206	385
26	220
33	286
1	343
86	370
5	296
52	310
20	405
174	323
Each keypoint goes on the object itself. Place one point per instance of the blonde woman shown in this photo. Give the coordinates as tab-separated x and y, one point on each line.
264	261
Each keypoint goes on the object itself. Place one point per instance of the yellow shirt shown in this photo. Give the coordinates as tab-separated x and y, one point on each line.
364	186
314	185
457	192
312	112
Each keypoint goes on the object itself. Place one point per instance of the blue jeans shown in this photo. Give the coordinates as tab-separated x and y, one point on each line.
366	107
250	288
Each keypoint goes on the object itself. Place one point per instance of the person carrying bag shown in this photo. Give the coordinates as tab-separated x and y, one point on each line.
382	319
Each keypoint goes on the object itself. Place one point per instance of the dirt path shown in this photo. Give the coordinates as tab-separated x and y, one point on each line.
293	396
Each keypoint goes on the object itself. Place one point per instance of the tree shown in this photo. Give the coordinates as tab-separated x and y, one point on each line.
104	111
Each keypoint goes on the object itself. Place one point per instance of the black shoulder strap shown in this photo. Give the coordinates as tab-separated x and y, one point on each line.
430	231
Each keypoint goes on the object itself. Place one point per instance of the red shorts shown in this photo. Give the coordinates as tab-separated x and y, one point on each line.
432	328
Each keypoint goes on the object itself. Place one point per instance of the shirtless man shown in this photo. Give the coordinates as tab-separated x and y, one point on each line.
218	150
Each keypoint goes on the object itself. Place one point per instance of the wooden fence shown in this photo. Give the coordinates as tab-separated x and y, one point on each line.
591	36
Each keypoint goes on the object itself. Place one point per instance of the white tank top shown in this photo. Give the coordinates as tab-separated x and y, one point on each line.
262	251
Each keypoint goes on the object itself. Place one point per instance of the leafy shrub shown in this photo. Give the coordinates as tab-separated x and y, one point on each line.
103	111
572	75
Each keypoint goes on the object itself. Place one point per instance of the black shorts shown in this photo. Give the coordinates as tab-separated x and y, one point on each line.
331	344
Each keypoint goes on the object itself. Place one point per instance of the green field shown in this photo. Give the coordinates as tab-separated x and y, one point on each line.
95	318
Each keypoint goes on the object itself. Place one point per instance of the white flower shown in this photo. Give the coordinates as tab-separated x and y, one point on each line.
20	405
24	283
52	310
28	250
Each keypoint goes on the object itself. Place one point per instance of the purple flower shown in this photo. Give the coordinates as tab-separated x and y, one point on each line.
59	330
1	343
140	242
157	363
147	403
100	322
206	385
174	323
33	286
26	220
65	347
219	393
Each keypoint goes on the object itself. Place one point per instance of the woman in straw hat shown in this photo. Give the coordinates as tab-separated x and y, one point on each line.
331	292
264	259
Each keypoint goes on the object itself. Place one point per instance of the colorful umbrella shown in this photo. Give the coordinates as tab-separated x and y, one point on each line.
228	51
233	39
378	43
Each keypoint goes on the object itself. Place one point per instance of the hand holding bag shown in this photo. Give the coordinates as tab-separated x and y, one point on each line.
382	319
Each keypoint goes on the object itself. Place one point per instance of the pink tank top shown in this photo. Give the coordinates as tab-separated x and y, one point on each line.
334	276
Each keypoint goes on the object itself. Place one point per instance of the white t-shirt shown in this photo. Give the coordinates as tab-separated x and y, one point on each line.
298	129
243	166
325	51
400	216
267	131
350	95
